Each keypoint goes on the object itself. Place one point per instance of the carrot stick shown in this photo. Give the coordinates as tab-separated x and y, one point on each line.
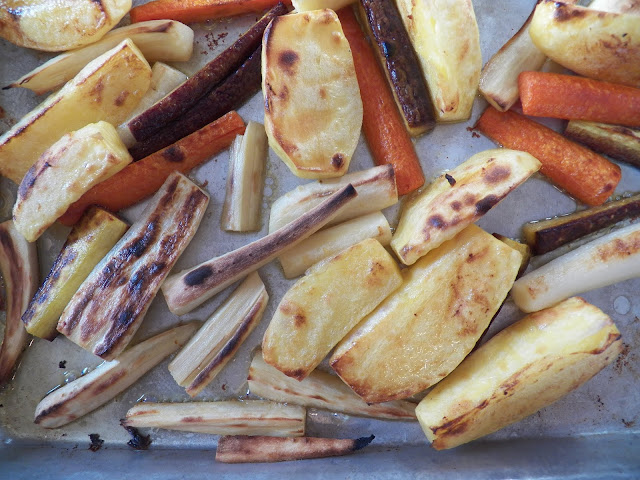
191	11
582	173
577	98
383	127
141	179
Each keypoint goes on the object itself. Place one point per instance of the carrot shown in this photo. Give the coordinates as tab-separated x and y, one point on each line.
141	179
384	129
191	11
582	173
577	98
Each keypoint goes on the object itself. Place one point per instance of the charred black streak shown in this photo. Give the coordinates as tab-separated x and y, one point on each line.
337	160
138	441
437	221
173	154
485	204
198	276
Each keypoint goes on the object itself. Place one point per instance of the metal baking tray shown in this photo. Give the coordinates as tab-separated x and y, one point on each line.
594	432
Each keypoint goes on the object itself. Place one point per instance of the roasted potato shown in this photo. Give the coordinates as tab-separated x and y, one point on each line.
54	26
457	198
313	110
321	308
64	172
423	330
108	89
524	368
604	46
446	38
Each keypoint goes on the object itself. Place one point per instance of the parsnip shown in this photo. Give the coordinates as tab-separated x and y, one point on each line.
621	143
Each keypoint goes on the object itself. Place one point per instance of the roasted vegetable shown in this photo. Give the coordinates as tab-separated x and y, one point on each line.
313	111
245	180
89	241
376	189
400	64
308	5
245	449
220	337
446	39
524	368
617	6
64	172
110	304
19	269
249	417
325	304
85	394
320	390
547	235
423	330
621	143
610	259
523	248
190	11
53	26
330	241
160	40
108	89
458	198
604	46
188	289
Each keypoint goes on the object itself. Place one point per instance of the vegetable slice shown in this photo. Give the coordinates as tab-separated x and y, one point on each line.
621	143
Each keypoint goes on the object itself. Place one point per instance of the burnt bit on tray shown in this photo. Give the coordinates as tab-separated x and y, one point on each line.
138	441
96	442
62	364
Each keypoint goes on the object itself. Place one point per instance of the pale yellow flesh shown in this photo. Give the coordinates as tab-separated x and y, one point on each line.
54	25
603	46
446	39
309	5
64	172
313	110
249	417
324	305
107	89
89	241
524	368
423	330
158	40
616	6
457	199
330	241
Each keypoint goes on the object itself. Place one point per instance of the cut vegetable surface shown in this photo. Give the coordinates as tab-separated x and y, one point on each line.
524	368
616	6
249	417
582	173
143	178
604	46
89	241
313	111
108	89
621	143
323	306
65	171
610	259
85	394
446	39
545	94
320	390
382	123
423	330
458	198
110	304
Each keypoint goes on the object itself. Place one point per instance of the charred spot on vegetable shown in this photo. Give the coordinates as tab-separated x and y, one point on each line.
96	442
337	160
96	91
173	154
120	99
450	179
565	13
138	441
287	61
497	174
101	387
198	276
437	221
484	205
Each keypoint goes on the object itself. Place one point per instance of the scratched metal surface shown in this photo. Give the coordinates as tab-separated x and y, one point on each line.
601	416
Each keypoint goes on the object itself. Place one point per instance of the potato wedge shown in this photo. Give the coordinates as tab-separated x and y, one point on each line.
459	198
524	368
313	110
600	45
523	248
64	172
108	89
324	305
423	330
446	39
308	5
54	26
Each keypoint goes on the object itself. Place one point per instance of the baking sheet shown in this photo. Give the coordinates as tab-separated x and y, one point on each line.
608	404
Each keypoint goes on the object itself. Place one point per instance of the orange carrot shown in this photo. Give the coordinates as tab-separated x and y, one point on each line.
582	173
383	127
141	179
577	98
191	11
